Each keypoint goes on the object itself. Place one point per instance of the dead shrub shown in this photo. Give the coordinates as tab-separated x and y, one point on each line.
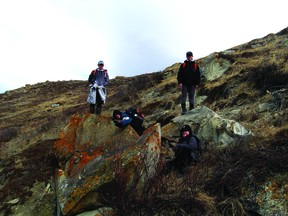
231	206
7	134
266	77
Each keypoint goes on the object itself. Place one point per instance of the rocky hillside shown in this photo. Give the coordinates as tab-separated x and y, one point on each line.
247	83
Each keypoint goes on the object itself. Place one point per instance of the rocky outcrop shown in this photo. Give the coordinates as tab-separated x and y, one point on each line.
270	197
95	155
211	127
214	66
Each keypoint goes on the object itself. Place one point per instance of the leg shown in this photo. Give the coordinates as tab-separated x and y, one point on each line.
137	125
191	93
182	159
98	109
99	103
183	99
92	108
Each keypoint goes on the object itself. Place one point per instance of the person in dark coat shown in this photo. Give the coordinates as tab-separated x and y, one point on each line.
122	119
98	79
186	151
188	80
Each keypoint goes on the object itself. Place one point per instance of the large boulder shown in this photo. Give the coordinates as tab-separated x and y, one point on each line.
214	66
95	155
209	126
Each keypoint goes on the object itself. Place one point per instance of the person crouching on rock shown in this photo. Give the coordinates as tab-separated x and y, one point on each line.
186	151
122	119
98	79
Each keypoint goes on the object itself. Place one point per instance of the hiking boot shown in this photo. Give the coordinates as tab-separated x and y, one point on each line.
191	106
184	110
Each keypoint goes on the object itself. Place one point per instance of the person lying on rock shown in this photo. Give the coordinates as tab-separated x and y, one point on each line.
122	119
186	151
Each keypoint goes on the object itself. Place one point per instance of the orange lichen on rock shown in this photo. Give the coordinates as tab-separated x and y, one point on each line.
80	192
67	137
63	147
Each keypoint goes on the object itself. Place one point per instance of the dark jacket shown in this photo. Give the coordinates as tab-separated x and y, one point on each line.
187	74
135	122
100	77
125	120
188	144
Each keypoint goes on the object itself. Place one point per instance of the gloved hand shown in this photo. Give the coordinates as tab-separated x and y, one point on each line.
175	148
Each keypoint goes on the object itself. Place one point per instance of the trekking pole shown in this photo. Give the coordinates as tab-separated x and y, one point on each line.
58	211
163	139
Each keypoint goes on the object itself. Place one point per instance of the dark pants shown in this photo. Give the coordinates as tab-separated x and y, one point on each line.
181	160
137	125
98	105
190	90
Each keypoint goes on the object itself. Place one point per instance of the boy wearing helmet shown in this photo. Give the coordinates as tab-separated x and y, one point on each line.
98	79
188	80
186	151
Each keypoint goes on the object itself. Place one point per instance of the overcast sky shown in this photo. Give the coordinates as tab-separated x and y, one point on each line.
55	40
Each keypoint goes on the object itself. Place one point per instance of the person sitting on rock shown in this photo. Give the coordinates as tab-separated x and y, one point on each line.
186	151
122	119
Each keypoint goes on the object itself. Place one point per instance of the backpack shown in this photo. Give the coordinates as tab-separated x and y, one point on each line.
135	112
199	144
95	71
196	155
137	119
184	65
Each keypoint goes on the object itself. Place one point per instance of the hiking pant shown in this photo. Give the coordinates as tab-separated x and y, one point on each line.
98	105
137	125
181	160
190	90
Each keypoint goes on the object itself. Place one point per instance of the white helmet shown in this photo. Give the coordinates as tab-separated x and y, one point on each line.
100	63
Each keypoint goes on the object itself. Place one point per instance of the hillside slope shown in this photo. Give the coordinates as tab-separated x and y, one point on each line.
247	83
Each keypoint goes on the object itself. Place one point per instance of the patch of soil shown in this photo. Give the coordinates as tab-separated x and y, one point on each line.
36	164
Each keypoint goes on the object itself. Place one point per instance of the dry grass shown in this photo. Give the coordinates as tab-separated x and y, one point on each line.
214	186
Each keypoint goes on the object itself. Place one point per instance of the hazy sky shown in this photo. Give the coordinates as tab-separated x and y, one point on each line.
55	40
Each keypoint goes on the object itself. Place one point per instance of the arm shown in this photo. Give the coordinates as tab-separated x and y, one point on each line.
180	75
126	120
192	144
198	75
91	78
106	78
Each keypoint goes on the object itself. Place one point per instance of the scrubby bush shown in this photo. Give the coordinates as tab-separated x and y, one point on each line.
7	134
162	194
267	77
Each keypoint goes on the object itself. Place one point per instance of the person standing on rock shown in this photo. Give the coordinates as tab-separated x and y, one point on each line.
98	79
188	80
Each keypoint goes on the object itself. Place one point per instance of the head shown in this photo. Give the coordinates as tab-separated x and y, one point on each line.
116	114
100	64
186	131
189	56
